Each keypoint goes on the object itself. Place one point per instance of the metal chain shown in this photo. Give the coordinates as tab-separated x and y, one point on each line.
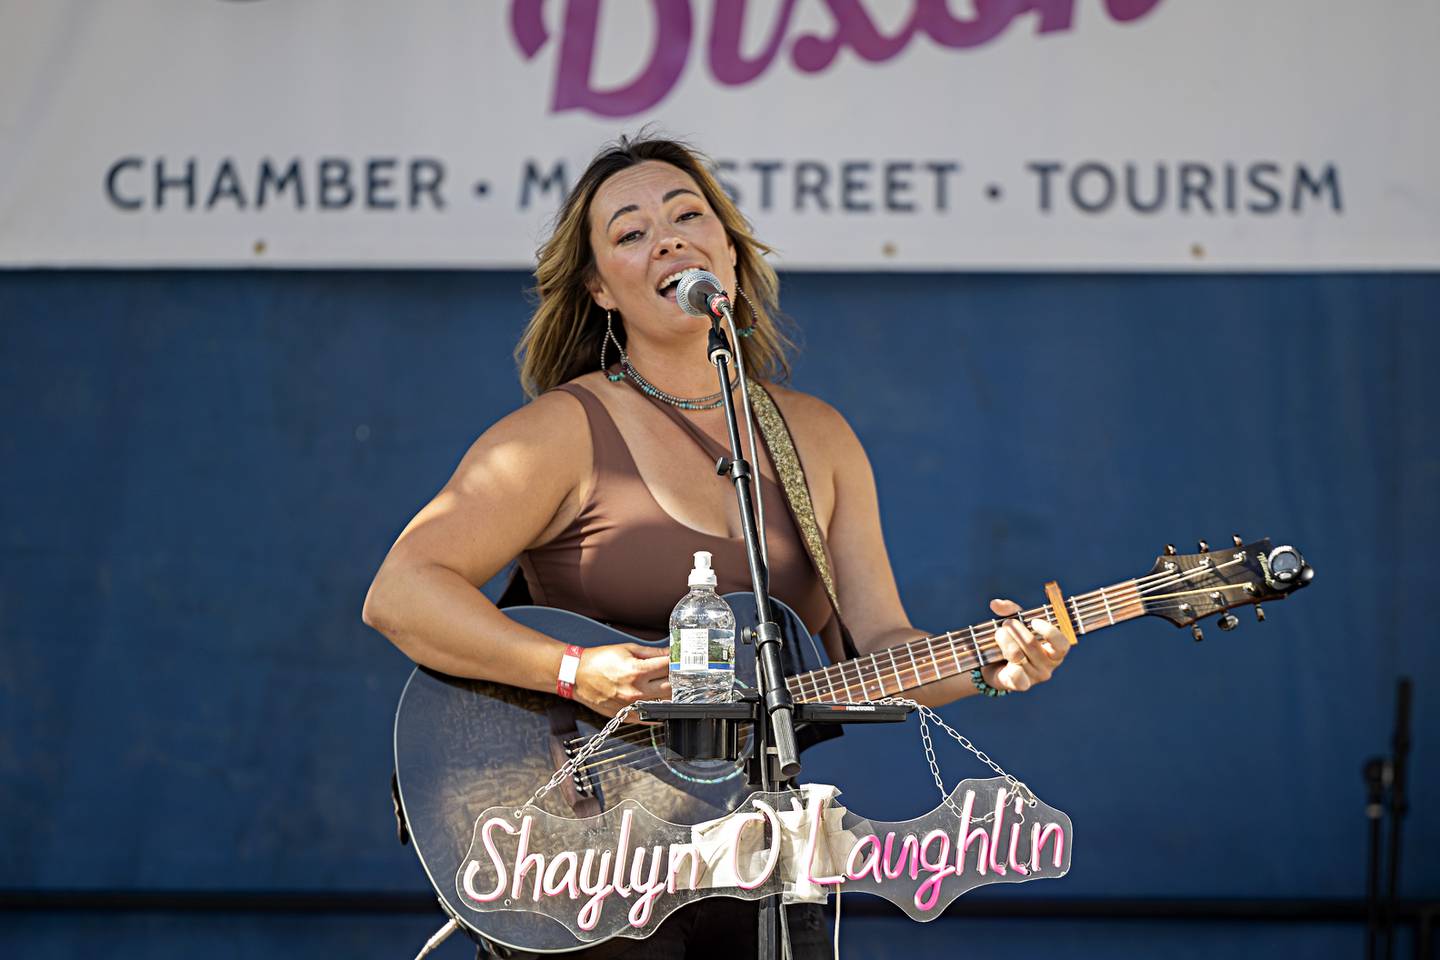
580	756
926	714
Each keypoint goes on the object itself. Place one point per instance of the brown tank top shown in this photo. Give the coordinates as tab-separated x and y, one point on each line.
623	560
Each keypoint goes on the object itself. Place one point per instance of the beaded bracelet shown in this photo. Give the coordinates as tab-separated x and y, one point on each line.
978	678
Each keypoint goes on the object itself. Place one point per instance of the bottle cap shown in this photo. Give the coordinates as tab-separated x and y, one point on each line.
702	575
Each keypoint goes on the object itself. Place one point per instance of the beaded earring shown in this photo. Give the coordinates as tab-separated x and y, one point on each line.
608	339
743	332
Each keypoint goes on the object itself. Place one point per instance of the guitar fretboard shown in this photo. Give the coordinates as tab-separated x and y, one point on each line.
897	669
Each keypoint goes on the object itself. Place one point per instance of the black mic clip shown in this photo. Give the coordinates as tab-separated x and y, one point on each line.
719	347
718	306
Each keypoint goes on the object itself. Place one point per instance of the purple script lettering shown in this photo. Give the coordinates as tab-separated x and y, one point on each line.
811	52
727	63
573	90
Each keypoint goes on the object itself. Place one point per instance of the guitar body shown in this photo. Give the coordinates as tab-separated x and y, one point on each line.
464	745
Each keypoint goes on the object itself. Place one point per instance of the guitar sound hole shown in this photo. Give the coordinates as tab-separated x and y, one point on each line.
703	771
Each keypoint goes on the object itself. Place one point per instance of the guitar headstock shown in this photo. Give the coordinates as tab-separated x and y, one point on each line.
1187	588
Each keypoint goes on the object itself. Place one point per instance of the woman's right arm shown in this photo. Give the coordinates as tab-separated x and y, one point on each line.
520	483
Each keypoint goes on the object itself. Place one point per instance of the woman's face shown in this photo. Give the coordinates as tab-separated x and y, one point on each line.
648	223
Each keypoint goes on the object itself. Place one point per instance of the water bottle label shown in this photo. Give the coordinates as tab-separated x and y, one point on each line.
700	648
694	649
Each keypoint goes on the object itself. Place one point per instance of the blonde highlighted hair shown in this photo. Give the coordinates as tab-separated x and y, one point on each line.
563	337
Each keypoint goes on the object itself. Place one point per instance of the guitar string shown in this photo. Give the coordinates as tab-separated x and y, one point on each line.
978	636
934	658
638	739
1085	609
644	747
642	757
981	638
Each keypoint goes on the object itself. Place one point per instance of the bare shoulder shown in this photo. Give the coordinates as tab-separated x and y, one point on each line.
815	423
550	434
519	483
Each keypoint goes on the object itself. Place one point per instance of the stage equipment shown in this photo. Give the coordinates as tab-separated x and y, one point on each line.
774	725
699	294
463	746
1385	779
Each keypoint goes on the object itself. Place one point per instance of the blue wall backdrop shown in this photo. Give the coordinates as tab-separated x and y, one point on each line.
201	472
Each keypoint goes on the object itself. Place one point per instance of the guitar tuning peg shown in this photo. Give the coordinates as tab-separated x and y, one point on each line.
1204	547
1236	538
1228	621
1169	549
1197	633
1259	613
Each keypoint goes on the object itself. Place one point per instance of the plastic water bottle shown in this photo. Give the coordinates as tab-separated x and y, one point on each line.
702	641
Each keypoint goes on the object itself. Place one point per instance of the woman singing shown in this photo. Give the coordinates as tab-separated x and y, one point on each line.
603	485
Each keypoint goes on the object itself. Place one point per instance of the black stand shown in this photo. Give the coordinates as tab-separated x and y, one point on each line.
1377	775
1386	775
710	730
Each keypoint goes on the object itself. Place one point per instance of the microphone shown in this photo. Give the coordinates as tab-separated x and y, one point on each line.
699	294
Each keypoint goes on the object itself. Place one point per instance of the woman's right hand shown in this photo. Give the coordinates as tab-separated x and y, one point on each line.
613	676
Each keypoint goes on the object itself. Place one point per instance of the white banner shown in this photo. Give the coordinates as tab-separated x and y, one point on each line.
913	134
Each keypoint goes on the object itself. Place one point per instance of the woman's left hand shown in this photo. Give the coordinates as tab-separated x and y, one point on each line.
1032	651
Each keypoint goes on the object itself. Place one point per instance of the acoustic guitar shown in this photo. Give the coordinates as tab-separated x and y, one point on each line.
464	745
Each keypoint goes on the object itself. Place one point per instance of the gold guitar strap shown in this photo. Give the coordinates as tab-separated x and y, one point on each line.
797	496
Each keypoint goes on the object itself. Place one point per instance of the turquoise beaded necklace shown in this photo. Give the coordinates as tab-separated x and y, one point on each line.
628	371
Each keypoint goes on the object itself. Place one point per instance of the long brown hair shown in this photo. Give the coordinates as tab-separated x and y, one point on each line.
562	339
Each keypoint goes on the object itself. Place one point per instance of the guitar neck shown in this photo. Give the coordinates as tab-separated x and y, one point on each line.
899	669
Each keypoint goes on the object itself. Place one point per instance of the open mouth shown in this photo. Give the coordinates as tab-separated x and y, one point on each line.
668	286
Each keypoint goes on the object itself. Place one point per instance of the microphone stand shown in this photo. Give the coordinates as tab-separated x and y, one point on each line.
774	740
1377	772
1399	806
708	730
1385	780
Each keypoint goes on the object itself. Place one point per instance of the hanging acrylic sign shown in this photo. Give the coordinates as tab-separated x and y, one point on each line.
622	872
